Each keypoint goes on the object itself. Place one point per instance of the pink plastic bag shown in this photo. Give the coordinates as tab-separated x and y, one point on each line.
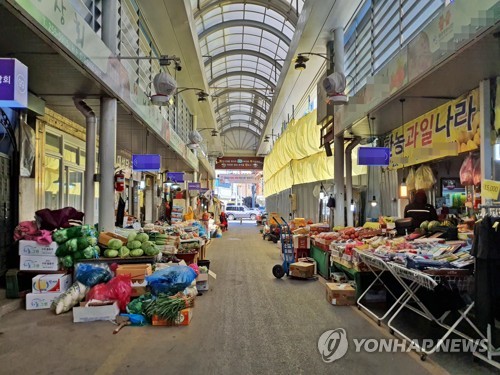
117	289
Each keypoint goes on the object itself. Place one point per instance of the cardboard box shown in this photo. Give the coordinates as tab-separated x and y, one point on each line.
301	242
202	282
185	317
40	301
340	294
89	313
105	237
51	283
34	248
302	270
39	263
138	273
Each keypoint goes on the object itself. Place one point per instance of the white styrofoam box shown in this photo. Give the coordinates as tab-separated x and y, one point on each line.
40	301
34	248
39	263
82	314
51	283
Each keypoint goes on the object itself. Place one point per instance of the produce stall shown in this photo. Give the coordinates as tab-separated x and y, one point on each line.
145	276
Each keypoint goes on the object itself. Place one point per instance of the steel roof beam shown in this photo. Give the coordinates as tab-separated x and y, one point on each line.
243	52
241	89
243	74
244	113
279	6
241	102
256	134
250	23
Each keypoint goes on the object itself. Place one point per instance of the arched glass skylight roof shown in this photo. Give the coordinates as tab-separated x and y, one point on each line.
244	44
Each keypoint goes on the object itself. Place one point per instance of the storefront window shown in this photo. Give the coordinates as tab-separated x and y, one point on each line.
53	143
52	177
83	155
74	189
71	153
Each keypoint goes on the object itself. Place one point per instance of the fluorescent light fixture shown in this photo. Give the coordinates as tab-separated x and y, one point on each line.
496	150
142	184
353	207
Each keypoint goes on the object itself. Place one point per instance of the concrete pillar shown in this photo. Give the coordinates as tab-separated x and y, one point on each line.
338	173
90	162
107	157
486	149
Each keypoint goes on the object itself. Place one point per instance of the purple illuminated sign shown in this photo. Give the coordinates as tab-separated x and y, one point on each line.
194	186
374	156
146	162
13	84
177	177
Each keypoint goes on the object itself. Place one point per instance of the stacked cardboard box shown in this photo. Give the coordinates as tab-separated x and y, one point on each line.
36	257
45	289
138	273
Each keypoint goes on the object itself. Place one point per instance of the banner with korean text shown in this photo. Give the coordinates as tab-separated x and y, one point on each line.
448	130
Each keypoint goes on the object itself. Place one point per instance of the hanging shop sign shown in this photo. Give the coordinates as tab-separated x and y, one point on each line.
490	189
240	163
194	186
13	84
448	130
374	156
177	177
146	162
237	178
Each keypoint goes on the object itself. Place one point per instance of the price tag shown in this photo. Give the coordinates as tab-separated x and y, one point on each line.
490	189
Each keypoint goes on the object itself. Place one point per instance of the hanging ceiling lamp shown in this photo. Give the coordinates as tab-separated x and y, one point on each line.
322	192
403	190
352	205
374	202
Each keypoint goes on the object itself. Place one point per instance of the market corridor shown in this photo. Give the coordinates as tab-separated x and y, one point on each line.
248	323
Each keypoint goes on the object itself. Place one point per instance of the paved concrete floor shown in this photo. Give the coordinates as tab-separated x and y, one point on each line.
248	323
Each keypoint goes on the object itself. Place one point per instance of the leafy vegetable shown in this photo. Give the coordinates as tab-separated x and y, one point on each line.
115	244
133	245
82	243
131	236
64	235
143	237
136	253
164	307
124	252
67	261
110	253
72	245
62	250
90	252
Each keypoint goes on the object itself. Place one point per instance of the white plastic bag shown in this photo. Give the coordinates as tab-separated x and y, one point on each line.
410	180
424	178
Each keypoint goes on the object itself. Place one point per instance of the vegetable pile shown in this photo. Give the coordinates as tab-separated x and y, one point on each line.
137	245
79	242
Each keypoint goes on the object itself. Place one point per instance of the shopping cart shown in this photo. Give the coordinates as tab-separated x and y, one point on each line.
286	238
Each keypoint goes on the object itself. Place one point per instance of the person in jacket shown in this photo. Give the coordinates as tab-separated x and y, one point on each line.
419	210
223	221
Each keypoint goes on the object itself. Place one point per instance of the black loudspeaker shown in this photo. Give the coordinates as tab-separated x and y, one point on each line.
328	149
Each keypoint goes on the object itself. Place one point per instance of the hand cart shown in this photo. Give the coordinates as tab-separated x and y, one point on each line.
420	279
286	238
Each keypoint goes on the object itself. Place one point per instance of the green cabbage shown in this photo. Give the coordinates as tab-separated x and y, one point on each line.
115	244
133	245
124	252
143	237
131	236
111	253
136	253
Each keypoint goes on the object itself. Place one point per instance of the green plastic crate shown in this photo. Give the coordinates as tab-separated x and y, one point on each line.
322	259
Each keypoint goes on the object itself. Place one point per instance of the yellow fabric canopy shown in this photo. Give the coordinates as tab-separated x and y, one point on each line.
297	158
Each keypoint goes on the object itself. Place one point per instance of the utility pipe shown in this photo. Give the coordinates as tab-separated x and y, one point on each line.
90	162
348	179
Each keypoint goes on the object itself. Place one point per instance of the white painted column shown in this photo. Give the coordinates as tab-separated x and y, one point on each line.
486	149
107	157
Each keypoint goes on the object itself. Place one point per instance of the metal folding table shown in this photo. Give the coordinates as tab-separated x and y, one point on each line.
420	279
